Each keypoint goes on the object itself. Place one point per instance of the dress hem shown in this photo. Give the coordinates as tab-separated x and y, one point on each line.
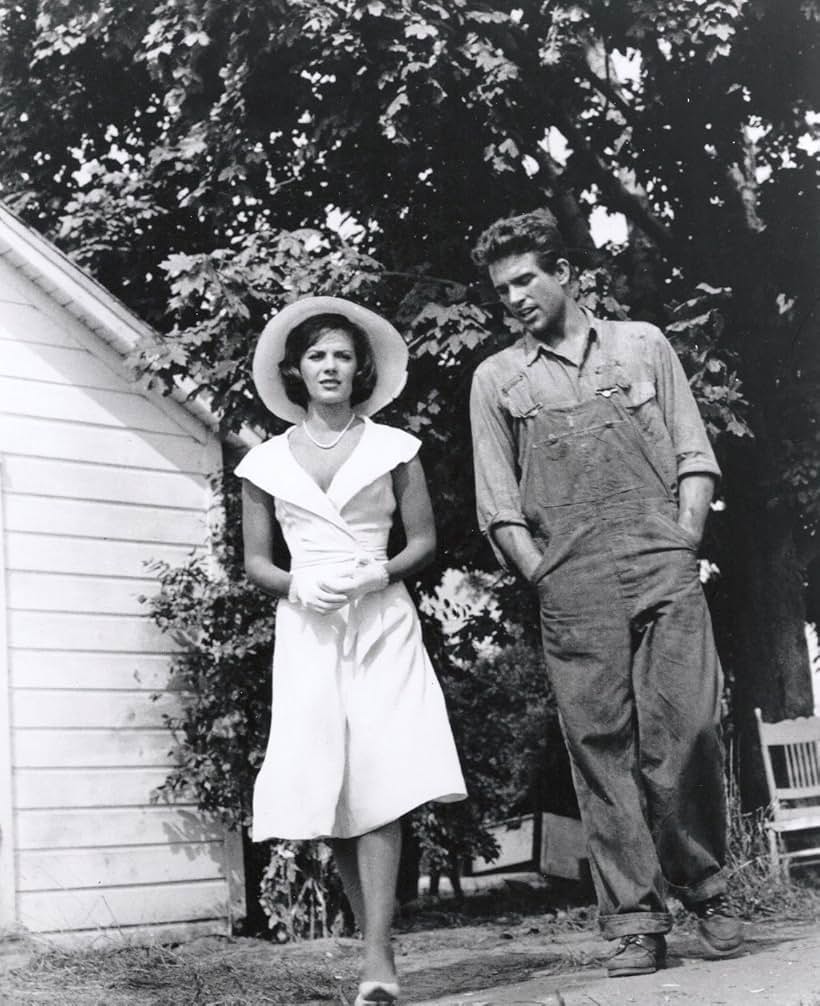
454	796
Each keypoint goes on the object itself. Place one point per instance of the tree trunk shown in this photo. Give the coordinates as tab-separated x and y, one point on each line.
454	873
760	614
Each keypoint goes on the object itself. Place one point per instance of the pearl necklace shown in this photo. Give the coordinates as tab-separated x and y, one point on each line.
326	447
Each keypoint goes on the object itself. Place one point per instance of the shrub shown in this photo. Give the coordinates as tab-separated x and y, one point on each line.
301	892
227	627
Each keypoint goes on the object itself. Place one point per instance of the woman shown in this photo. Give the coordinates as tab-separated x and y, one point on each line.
359	731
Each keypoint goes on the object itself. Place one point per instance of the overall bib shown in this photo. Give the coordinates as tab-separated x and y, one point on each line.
630	655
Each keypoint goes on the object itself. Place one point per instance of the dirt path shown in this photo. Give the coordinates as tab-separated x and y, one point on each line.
514	961
780	966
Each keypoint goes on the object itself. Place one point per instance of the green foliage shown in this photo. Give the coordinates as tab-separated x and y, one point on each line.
695	330
220	301
227	627
301	892
211	162
504	752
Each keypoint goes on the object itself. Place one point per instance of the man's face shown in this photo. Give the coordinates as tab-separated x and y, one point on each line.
536	298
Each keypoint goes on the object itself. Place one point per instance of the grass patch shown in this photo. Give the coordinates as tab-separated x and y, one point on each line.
220	973
756	890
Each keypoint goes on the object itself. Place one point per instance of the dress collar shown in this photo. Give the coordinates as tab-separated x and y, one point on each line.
273	467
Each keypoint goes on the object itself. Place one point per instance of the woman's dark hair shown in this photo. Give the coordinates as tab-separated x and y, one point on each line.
305	335
536	232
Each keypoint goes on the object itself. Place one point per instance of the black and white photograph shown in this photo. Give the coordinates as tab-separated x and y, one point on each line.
409	503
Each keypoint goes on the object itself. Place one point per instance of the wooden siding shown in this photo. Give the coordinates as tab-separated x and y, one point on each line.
109	595
109	483
60	910
108	671
99	481
29	514
147	864
39	788
8	886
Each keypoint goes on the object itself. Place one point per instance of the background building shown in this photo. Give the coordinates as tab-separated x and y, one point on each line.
98	477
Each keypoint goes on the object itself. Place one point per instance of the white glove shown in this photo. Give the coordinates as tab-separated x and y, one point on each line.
308	589
366	577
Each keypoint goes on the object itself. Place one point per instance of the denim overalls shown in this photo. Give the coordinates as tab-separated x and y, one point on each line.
629	650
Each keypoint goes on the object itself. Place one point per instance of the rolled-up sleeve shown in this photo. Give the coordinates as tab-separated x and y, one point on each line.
498	500
693	452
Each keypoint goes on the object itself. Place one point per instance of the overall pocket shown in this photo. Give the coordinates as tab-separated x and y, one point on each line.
517	398
673	529
641	403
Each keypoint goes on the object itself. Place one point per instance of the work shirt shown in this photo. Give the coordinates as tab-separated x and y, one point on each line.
632	359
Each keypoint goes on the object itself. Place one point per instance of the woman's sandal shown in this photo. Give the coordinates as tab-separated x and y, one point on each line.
378	994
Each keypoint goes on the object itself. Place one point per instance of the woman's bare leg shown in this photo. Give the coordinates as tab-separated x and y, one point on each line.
346	854
369	867
378	860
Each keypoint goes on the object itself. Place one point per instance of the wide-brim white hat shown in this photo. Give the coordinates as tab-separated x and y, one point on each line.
388	348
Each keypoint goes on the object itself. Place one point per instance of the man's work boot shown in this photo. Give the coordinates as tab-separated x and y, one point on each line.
637	954
720	931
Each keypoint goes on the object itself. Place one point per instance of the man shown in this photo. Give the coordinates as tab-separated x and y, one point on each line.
594	477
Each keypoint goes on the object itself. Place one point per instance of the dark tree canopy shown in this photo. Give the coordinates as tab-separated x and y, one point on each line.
210	161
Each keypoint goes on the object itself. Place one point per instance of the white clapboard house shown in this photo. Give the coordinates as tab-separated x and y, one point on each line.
97	477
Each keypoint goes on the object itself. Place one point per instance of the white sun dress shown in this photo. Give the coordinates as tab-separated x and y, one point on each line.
359	731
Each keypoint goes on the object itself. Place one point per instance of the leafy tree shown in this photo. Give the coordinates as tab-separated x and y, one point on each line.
211	161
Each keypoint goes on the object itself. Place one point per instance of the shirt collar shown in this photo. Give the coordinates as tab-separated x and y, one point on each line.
533	347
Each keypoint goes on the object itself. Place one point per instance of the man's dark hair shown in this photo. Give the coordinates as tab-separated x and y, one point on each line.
306	334
536	231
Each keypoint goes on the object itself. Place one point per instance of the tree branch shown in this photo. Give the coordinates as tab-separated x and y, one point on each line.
743	181
574	225
618	197
606	89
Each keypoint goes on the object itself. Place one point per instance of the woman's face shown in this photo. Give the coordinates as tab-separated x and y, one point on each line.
328	367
